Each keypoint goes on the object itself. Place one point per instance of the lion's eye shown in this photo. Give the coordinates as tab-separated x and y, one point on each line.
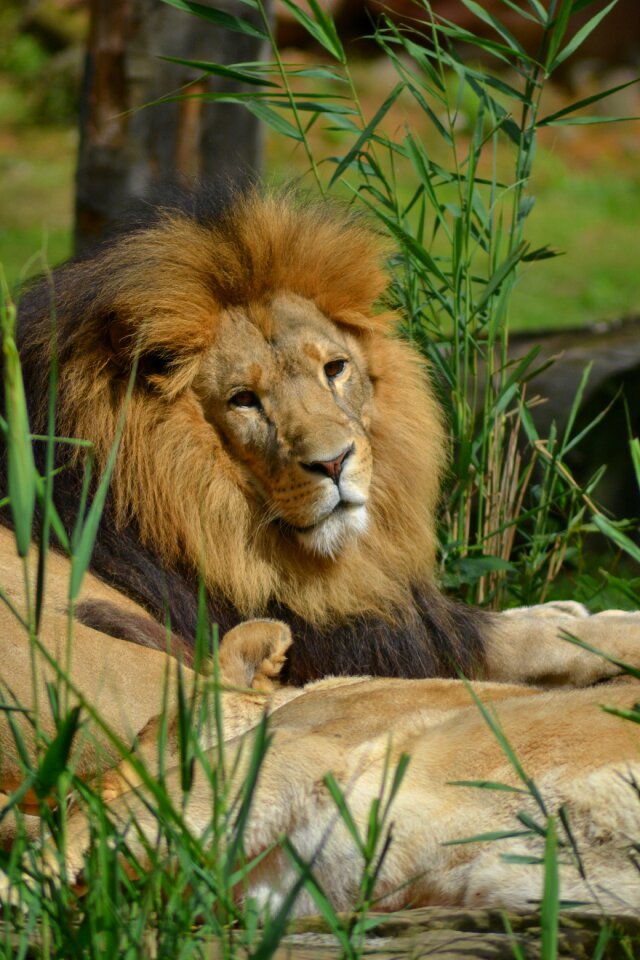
245	398
334	368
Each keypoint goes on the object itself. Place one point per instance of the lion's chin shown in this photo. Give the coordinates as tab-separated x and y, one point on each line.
330	536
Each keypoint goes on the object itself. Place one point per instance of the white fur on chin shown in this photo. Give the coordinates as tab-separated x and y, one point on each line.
329	537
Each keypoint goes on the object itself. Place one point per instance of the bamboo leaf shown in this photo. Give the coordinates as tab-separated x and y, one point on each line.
523	13
492	21
233	72
586	102
503	271
557	32
617	536
540	11
581	35
277	122
585	121
366	133
542	253
218	17
321	28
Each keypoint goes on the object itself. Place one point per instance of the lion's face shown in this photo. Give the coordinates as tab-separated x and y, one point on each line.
287	391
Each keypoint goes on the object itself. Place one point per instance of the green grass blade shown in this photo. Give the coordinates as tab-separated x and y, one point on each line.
634	448
516	949
624	667
488	785
21	469
632	715
488	837
48	510
86	532
56	756
339	799
260	746
322	902
550	907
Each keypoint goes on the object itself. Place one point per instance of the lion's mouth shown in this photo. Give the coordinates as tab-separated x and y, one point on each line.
331	533
342	507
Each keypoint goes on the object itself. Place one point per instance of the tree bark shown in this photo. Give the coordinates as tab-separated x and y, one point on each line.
125	151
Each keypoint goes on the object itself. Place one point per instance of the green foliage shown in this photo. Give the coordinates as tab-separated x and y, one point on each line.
38	84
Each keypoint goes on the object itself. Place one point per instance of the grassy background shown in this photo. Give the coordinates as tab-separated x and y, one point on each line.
586	182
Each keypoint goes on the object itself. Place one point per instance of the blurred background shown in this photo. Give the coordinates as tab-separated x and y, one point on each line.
586	179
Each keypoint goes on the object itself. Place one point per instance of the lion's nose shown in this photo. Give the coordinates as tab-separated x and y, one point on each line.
330	468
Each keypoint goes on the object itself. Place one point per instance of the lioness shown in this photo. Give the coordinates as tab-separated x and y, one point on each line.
580	758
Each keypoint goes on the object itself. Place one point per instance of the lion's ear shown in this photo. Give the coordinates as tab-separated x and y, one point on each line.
253	654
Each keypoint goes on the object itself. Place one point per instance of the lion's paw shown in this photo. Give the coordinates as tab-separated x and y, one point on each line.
633	616
119	780
556	609
253	653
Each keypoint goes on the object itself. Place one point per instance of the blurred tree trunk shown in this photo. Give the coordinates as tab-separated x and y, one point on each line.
126	151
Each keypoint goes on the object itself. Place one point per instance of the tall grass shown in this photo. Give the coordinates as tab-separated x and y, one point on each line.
513	512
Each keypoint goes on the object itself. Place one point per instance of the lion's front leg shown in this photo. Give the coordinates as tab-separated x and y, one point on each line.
251	658
526	645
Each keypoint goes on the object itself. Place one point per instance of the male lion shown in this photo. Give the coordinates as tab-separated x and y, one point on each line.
284	445
281	442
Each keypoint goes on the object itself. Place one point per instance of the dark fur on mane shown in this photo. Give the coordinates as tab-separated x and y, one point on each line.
435	637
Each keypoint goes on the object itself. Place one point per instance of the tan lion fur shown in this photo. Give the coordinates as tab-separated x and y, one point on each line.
580	758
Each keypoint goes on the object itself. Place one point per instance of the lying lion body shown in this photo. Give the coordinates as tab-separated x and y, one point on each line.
579	757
